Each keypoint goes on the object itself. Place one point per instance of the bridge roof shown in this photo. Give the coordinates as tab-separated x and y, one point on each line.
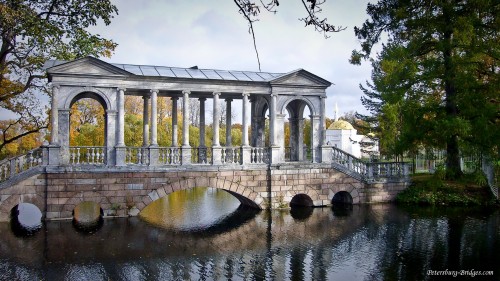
58	66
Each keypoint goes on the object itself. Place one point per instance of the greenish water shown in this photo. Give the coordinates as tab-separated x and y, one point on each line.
203	235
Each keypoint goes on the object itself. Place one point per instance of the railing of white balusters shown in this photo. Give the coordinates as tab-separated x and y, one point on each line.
87	155
169	155
15	165
259	155
137	156
231	155
201	155
369	171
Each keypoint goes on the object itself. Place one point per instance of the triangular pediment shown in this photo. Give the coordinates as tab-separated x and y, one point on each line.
87	66
300	77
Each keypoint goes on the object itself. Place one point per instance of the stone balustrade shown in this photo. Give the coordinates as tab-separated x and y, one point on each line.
19	164
87	155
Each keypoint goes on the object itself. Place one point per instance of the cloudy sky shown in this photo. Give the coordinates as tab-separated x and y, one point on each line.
212	34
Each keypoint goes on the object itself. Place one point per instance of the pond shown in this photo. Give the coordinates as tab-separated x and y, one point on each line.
203	234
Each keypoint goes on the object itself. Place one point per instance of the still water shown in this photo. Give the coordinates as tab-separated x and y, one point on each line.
203	234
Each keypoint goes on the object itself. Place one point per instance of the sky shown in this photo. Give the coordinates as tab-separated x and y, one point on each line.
212	34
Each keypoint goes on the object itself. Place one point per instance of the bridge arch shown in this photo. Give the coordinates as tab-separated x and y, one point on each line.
15	199
301	200
88	92
87	196
246	196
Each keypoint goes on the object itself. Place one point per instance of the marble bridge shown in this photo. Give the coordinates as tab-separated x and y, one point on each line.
262	172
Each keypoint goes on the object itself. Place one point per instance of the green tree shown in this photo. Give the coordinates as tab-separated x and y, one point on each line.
34	32
441	65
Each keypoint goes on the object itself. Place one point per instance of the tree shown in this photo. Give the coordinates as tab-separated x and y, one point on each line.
441	67
34	32
250	10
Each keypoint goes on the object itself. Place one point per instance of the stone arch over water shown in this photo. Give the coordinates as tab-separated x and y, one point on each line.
15	199
245	195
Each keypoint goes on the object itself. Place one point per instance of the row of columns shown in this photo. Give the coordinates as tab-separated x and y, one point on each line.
276	120
153	119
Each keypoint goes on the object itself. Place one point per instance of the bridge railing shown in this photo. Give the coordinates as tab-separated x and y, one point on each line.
201	155
87	155
369	171
169	155
231	155
259	155
13	166
137	156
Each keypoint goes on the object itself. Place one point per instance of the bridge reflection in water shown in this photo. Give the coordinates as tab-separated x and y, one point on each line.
357	243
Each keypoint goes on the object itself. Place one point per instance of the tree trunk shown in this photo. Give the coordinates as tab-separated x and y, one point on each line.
453	170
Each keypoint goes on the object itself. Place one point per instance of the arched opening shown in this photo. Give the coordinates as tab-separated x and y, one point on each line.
26	219
197	209
88	216
342	198
301	200
88	129
298	139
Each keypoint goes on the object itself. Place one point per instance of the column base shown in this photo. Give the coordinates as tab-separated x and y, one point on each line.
326	154
185	155
120	153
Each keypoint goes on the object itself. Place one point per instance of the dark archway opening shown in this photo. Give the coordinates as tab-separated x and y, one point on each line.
301	200
88	217
342	204
25	219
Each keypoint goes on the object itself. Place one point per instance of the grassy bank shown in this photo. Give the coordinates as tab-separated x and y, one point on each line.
433	191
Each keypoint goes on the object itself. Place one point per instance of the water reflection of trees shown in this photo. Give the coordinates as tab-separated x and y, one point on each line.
376	242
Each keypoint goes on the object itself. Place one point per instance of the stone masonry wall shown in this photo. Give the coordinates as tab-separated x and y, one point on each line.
122	191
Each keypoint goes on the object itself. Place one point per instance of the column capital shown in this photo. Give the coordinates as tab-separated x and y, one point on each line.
121	89
245	94
55	86
174	98
202	99
146	96
184	92
274	95
228	100
154	91
216	94
322	97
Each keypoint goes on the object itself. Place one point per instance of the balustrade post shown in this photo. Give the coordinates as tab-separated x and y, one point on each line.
246	155
326	154
369	172
153	155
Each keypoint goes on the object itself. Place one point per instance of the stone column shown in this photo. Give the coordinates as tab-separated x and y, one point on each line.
215	124
294	139
54	148
153	147
246	119
63	138
154	117
54	116
175	127
315	138
326	150
202	150
110	141
300	139
202	121
276	150
121	117
245	149
229	140
186	148
216	149
280	135
322	121
145	120
272	121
